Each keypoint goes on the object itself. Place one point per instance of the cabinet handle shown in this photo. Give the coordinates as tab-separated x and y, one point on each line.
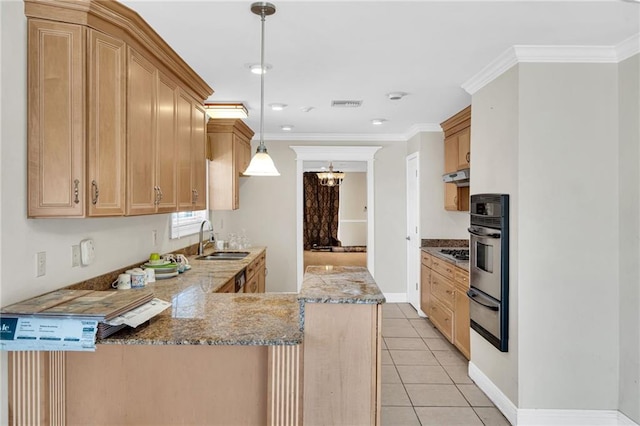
160	194
76	191
468	157
96	193
194	198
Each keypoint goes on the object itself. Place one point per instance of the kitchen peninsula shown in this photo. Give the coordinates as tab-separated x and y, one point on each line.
224	359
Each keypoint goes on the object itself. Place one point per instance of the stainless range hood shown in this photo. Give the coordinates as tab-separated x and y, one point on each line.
460	178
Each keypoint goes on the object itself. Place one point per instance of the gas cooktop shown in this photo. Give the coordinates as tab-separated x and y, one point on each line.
456	254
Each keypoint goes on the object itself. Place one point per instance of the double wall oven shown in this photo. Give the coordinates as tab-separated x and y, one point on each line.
489	267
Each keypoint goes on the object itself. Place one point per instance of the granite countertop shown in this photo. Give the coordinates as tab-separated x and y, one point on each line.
339	284
200	316
435	251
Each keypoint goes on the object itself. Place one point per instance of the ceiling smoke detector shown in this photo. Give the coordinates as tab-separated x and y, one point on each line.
395	96
346	104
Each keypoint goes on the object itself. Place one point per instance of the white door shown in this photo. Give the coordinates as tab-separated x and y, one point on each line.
413	230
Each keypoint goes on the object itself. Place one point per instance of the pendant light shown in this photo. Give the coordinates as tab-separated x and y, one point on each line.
261	164
330	178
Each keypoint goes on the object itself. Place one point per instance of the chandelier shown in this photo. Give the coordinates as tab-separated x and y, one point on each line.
330	178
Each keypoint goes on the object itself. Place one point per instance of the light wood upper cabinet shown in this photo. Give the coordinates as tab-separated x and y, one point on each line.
464	149
191	154
457	156
230	154
199	158
106	144
141	135
56	131
102	119
166	176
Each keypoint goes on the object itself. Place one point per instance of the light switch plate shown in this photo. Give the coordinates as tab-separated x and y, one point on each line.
87	252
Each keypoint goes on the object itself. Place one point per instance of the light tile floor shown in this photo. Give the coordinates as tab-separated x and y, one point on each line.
424	377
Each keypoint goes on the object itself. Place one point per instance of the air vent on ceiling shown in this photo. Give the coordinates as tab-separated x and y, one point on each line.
346	104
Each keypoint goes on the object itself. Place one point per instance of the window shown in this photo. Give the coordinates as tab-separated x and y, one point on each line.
186	223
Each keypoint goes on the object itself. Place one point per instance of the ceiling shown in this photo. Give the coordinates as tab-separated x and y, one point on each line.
362	50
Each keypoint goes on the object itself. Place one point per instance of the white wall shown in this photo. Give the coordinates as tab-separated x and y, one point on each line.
268	207
494	158
435	221
629	207
352	229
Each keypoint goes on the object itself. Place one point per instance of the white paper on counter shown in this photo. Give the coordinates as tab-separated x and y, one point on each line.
32	333
141	314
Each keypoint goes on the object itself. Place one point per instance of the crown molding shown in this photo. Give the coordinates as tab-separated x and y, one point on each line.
420	128
552	54
629	47
335	137
336	153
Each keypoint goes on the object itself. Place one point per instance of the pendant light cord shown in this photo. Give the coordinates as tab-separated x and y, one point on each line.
262	72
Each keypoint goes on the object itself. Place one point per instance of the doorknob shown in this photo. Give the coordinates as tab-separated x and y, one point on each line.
408	238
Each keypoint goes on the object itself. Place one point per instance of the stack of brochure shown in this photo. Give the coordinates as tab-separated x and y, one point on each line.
69	319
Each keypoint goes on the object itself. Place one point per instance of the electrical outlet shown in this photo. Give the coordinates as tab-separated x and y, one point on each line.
41	264
75	256
154	238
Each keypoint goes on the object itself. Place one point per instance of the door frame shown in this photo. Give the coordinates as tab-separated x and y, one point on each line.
416	265
333	153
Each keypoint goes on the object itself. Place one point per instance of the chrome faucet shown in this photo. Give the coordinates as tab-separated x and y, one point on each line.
203	244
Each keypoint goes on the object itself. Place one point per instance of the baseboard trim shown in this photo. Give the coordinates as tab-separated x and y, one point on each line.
396	297
528	417
501	401
543	417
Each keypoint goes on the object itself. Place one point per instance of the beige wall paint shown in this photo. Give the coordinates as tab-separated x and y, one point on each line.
268	207
568	187
353	207
495	169
629	207
435	221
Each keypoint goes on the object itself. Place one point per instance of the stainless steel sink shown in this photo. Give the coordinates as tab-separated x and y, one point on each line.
224	255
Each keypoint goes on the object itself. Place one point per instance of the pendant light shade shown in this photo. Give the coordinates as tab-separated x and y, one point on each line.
261	164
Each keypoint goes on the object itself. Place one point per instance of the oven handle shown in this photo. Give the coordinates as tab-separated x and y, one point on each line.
473	295
474	231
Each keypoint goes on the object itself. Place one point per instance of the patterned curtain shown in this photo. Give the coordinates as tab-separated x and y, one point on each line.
320	213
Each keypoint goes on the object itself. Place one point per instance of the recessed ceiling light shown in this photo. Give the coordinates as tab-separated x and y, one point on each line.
286	127
255	68
278	107
378	121
395	96
306	109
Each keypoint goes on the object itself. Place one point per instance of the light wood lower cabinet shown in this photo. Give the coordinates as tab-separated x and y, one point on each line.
342	351
228	287
255	274
444	299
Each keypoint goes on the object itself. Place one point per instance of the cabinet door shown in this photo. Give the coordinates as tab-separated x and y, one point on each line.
56	119
141	135
252	285
106	142
198	158
185	111
222	178
166	191
451	154
425	290
461	322
464	149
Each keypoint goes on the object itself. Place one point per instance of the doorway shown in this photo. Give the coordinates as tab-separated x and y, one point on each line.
325	154
335	217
